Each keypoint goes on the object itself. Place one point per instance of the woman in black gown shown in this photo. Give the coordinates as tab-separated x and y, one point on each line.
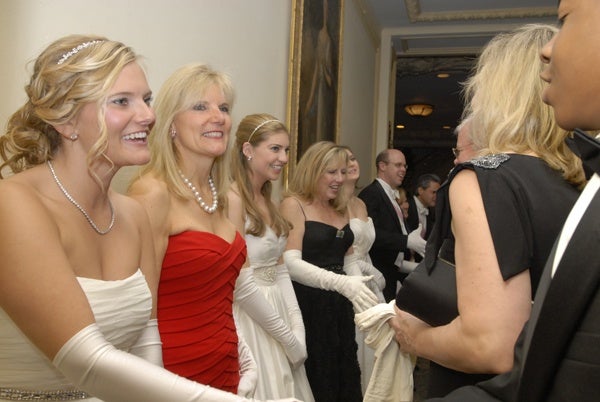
316	252
504	208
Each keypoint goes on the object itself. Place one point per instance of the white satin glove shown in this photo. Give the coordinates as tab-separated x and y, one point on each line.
95	366
248	369
351	287
369	270
415	242
408	266
361	300
251	299
149	346
294	314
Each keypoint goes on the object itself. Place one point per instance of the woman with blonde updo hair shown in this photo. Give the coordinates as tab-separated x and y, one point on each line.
318	254
77	279
497	217
265	305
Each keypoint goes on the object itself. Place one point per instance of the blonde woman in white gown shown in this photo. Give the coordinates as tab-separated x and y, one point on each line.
265	305
364	236
77	284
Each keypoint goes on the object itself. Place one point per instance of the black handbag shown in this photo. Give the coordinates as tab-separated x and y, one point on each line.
429	293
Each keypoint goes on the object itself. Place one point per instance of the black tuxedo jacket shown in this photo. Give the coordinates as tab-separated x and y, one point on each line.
413	217
389	240
557	356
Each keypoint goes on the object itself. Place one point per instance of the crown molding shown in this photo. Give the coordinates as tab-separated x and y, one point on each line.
413	9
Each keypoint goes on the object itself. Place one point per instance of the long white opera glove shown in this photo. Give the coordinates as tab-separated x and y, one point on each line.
248	369
415	242
295	315
252	300
408	266
149	346
352	263
95	366
351	287
369	270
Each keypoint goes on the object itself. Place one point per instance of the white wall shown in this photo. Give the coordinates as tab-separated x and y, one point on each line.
249	39
358	91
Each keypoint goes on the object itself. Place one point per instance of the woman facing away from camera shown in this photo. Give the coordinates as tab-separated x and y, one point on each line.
504	209
265	305
78	315
318	252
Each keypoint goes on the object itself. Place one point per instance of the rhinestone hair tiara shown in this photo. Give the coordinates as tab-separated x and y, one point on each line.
259	126
76	50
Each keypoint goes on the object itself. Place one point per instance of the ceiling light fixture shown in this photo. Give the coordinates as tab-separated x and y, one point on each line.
419	109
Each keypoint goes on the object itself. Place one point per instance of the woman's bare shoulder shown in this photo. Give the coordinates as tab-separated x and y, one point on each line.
149	187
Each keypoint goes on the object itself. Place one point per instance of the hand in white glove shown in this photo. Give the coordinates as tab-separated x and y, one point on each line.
351	287
369	269
408	266
253	302
294	314
415	242
248	369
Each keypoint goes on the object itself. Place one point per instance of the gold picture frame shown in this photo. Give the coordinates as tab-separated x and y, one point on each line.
314	74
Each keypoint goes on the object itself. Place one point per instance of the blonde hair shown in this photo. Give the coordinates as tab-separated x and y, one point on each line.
57	92
504	104
180	92
254	129
312	165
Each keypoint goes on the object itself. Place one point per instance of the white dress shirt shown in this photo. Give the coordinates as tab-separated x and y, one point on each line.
581	205
422	211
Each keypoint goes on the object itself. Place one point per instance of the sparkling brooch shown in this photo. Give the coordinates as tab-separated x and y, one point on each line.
490	161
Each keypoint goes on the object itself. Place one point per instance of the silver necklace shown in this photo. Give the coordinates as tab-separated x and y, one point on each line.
80	208
213	190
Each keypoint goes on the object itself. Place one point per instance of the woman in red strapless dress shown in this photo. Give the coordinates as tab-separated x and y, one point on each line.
183	190
195	308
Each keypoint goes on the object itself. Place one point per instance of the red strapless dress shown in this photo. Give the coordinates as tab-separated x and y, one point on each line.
195	317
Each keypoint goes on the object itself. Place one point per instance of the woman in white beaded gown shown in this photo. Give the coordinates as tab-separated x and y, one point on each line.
265	305
364	236
77	305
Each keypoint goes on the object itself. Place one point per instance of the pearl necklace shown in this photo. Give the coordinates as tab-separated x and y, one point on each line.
213	190
80	208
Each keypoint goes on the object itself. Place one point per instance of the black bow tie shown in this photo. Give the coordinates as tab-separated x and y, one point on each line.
587	148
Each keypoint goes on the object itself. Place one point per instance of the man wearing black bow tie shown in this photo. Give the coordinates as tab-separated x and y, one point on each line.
557	357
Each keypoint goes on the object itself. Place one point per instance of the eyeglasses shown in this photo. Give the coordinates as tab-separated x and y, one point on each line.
399	165
456	151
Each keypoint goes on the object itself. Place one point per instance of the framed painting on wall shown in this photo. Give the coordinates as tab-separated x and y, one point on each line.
314	73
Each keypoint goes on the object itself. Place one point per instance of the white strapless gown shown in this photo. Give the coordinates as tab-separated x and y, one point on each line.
364	237
276	379
121	309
